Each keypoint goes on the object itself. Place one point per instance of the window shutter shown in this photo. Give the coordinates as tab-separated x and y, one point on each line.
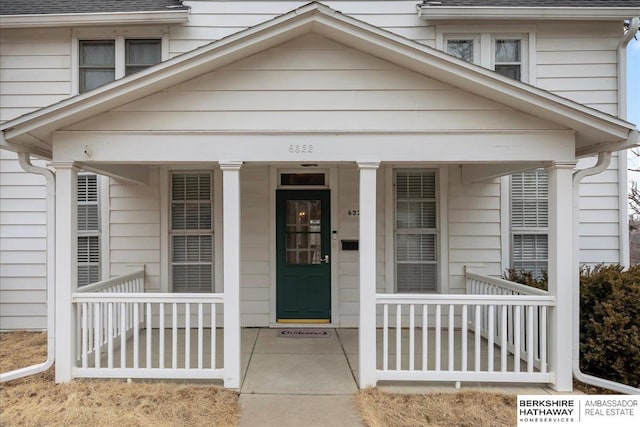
416	231
88	254
192	232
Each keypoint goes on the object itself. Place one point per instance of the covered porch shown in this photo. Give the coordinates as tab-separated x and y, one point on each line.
498	334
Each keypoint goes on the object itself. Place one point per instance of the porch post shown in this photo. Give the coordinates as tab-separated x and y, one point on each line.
66	275
560	272
367	325
231	273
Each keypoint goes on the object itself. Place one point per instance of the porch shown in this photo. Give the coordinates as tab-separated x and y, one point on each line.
497	333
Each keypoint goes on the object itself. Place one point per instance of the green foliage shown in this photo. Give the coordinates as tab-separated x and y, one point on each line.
609	320
610	323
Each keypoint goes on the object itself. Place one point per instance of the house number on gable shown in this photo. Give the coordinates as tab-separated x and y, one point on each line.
301	148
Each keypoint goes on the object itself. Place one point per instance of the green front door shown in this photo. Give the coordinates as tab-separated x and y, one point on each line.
303	245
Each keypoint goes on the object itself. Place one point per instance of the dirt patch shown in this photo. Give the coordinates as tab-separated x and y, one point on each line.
466	408
37	401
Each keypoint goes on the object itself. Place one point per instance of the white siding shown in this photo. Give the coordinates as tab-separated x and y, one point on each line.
474	228
134	221
22	247
214	20
255	266
578	61
599	211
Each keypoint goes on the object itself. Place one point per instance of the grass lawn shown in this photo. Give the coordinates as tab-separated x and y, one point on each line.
38	401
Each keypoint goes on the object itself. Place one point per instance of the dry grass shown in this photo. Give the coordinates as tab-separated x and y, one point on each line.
466	408
37	401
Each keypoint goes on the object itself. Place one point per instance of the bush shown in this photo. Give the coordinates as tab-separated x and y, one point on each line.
526	278
610	323
609	319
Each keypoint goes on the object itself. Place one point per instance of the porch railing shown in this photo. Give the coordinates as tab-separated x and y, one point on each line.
519	342
464	337
125	333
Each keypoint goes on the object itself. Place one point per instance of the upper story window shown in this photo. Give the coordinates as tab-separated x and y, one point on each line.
101	55
100	60
505	52
508	57
463	47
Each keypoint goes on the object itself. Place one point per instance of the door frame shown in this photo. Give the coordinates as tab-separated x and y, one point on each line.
324	271
331	184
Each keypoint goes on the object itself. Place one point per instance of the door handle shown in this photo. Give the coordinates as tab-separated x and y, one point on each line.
325	260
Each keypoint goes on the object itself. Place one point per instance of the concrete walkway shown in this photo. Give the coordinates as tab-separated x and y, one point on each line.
311	381
297	381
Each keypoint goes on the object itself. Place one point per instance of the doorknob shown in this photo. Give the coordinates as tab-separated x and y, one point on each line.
325	260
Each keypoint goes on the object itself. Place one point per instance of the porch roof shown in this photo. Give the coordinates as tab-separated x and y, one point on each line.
595	131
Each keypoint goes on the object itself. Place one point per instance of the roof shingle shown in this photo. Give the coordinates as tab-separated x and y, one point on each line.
46	7
537	3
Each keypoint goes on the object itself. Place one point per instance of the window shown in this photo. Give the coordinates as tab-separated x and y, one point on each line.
504	52
416	234
141	54
88	230
529	221
97	63
508	58
98	60
191	232
463	47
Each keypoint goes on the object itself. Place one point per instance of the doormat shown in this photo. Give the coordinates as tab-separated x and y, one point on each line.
304	333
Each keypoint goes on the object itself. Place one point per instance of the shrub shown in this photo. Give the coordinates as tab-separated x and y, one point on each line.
610	323
609	320
526	278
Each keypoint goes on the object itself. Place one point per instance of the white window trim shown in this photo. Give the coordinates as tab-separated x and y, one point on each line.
166	173
487	33
119	35
509	231
524	52
442	229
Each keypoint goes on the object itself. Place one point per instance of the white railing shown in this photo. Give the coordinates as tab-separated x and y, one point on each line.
125	333
519	342
441	337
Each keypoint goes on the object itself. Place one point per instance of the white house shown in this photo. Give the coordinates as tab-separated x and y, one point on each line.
218	164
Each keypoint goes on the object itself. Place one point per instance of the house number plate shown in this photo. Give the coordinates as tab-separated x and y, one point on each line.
353	212
301	148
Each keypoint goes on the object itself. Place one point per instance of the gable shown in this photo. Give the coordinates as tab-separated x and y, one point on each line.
312	83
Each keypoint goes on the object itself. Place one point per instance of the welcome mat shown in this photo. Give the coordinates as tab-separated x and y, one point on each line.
304	333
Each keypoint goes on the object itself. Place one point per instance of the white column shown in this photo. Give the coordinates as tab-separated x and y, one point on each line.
560	272
367	329
66	268
231	273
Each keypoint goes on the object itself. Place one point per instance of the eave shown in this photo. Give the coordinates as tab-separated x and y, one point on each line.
432	13
86	19
595	131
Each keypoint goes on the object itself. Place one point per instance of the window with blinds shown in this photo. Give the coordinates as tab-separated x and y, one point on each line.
88	230
191	232
416	234
530	221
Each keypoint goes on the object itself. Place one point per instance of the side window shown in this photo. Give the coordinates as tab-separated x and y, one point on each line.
97	63
530	221
191	230
88	230
508	57
416	234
